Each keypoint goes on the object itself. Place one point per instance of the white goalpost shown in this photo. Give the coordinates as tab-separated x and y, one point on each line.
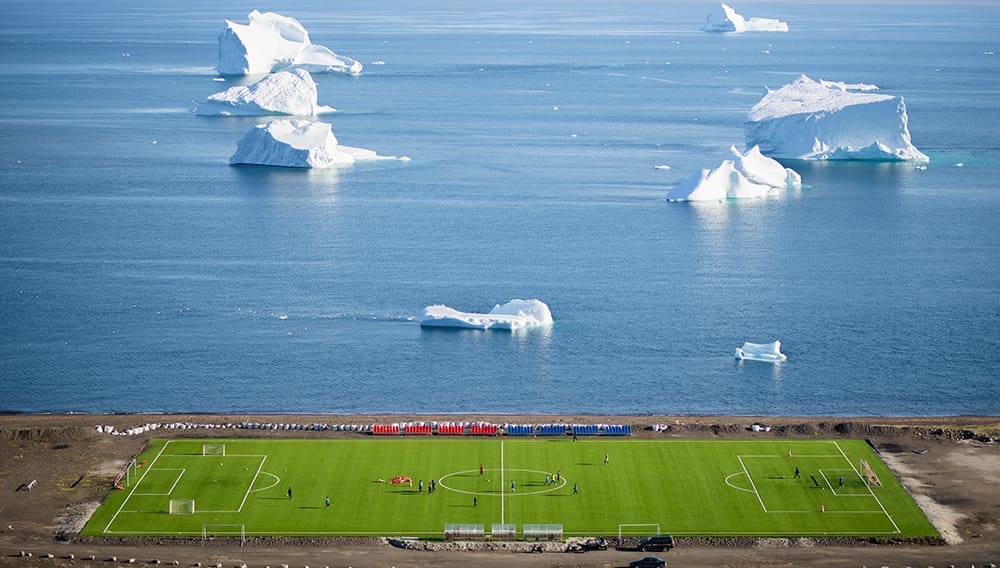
182	506
869	475
621	528
210	531
213	449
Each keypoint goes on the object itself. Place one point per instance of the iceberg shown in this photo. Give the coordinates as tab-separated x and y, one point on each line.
810	120
748	174
272	42
298	144
725	19
514	315
286	92
767	352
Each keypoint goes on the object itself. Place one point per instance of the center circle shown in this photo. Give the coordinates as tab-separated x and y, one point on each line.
556	484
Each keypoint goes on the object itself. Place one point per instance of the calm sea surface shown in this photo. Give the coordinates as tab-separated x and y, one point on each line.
140	272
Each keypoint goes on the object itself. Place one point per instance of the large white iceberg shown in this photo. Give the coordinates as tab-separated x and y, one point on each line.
285	92
749	174
297	144
272	42
810	120
514	315
724	19
767	352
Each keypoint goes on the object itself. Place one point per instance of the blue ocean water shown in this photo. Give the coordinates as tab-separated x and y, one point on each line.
140	272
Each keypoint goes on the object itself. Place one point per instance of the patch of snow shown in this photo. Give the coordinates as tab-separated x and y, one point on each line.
810	120
272	42
725	19
298	144
514	315
286	92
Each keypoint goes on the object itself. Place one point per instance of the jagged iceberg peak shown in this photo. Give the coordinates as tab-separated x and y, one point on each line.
823	120
272	42
298	144
515	314
749	174
725	19
286	92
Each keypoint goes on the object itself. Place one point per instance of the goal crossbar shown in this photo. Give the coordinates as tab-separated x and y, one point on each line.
181	507
621	528
213	449
210	530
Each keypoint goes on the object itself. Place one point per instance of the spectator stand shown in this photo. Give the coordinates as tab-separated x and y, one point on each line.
615	430
520	429
552	430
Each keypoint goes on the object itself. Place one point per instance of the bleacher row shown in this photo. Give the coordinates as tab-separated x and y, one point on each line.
396	429
487	429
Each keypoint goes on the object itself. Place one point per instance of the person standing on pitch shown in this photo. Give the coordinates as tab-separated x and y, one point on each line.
289	492
328	502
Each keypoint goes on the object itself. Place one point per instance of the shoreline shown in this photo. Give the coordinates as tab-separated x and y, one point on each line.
947	463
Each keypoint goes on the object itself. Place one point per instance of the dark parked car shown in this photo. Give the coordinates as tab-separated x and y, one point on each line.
596	543
661	542
648	562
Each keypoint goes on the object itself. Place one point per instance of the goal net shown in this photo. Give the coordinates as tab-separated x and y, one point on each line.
213	450
210	531
182	506
870	477
633	529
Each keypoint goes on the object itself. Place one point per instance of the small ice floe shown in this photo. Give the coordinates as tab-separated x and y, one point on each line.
767	352
662	167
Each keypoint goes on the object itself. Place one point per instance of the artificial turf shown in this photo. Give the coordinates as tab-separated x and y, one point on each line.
686	487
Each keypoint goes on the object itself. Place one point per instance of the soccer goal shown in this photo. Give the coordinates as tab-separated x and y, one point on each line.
870	477
213	449
182	506
627	529
210	531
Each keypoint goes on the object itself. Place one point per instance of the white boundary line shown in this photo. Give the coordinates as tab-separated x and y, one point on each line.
134	487
877	500
254	480
503	490
171	490
752	484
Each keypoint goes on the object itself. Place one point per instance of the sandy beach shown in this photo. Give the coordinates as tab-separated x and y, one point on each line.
955	482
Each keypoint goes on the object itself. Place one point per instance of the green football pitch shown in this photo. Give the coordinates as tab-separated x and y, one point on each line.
683	487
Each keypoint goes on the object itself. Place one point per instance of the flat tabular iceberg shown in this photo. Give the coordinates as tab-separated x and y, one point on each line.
297	144
809	120
514	315
285	92
749	174
724	19
272	42
767	352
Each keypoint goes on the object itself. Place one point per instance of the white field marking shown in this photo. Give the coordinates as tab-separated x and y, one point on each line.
752	484
277	480
136	486
562	483
176	481
834	490
254	480
502	486
813	512
732	475
872	493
